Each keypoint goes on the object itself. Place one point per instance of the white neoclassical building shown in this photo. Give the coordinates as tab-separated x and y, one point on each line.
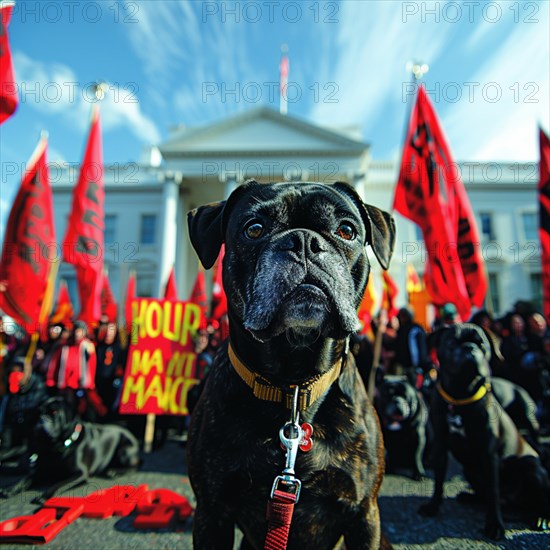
147	202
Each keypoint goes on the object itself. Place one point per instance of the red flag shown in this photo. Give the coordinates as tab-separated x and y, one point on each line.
108	303
171	290
64	312
84	239
544	218
8	86
219	300
430	192
198	294
130	295
390	292
26	270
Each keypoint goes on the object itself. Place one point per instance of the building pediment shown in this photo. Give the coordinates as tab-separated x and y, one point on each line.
260	131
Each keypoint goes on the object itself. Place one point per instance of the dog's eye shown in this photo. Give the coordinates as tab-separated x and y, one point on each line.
346	231
254	230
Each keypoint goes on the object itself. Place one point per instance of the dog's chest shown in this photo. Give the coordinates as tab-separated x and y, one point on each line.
332	485
455	421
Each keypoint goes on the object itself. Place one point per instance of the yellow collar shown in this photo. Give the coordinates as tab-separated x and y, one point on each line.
479	394
309	391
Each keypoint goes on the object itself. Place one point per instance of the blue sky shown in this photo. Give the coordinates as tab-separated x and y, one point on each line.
193	62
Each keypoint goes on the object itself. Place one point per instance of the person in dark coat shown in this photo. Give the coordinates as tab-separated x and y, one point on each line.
111	359
411	349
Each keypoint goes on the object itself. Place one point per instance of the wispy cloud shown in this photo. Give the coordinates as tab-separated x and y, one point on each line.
489	19
483	127
374	42
54	89
115	114
191	58
194	63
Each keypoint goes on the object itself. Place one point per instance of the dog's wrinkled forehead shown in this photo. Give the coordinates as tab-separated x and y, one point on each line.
309	206
461	334
312	203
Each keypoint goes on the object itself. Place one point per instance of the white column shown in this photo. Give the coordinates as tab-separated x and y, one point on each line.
168	230
230	185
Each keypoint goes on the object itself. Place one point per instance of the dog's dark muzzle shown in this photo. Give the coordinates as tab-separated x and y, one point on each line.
303	243
302	281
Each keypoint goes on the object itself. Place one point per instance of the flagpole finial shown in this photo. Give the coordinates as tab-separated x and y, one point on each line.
284	48
417	68
44	134
100	88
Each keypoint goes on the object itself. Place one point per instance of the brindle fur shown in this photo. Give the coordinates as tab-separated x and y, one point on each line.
233	450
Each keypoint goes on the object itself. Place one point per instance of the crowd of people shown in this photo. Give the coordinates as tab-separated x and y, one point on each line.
83	365
86	365
519	341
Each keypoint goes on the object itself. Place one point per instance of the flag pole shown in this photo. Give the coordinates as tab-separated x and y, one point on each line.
44	312
27	365
100	88
380	331
283	80
417	70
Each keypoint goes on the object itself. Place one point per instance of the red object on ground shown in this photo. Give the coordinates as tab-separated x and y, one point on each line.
158	507
38	528
155	508
119	500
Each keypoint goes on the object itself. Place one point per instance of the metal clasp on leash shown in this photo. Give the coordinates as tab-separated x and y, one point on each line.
291	443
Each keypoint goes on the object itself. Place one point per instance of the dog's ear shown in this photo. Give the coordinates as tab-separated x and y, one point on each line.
380	225
206	231
476	335
207	225
382	234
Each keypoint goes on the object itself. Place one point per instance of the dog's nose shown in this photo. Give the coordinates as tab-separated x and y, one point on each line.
301	242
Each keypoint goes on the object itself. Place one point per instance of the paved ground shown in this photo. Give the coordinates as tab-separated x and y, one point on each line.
457	528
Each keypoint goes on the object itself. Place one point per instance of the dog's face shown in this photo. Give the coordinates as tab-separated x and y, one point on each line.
463	352
295	256
54	421
398	401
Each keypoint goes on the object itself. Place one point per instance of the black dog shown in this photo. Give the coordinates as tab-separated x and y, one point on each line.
519	405
21	413
404	417
294	271
468	420
69	452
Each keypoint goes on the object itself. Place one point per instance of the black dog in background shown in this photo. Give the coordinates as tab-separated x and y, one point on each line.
404	417
521	407
469	421
67	452
22	410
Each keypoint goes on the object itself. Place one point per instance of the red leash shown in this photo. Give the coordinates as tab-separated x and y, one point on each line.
279	517
286	487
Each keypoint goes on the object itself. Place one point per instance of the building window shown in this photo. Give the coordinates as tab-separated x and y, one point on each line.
145	283
530	226
486	224
492	300
110	228
148	228
536	290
